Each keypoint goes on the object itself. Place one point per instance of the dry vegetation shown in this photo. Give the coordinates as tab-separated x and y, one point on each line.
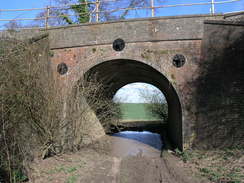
157	105
25	105
219	166
31	109
95	94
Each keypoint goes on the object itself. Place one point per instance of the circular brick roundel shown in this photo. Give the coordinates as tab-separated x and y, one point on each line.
62	68
179	60
119	44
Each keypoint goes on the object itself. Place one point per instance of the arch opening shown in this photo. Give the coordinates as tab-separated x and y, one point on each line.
142	107
143	116
114	74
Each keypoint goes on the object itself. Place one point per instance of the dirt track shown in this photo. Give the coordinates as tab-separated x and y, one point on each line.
100	164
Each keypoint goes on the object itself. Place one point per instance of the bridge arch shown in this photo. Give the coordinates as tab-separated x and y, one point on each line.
117	73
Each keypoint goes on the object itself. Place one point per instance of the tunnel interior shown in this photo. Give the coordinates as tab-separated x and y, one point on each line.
114	74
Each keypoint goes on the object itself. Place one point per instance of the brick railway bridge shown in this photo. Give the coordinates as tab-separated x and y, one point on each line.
196	61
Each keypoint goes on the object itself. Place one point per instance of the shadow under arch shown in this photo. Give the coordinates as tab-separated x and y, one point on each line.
114	74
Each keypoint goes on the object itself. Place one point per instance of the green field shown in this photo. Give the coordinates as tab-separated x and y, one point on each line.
136	111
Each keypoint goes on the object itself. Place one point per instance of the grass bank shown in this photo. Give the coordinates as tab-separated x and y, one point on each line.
218	166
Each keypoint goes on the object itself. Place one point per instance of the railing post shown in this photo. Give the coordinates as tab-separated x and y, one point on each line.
212	7
47	16
97	10
152	7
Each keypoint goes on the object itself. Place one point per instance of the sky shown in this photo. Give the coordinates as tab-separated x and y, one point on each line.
25	4
132	92
135	93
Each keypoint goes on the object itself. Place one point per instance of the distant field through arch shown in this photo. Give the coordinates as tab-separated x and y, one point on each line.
136	101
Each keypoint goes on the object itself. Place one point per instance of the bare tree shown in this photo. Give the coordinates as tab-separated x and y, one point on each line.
13	25
158	105
86	11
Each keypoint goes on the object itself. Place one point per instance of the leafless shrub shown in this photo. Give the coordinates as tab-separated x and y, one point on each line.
31	107
107	111
29	116
87	105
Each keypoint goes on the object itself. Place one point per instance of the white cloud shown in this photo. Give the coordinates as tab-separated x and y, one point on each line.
133	93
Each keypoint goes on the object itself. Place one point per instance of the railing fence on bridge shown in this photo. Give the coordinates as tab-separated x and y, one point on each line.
94	11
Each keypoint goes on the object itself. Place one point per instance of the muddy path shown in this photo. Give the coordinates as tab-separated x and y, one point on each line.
113	159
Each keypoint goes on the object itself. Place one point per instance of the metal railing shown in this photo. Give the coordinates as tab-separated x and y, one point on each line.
96	11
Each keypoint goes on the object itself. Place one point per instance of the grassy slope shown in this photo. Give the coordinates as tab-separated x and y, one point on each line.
136	111
219	166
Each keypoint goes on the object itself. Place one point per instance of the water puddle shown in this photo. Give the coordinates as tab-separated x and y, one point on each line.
130	143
